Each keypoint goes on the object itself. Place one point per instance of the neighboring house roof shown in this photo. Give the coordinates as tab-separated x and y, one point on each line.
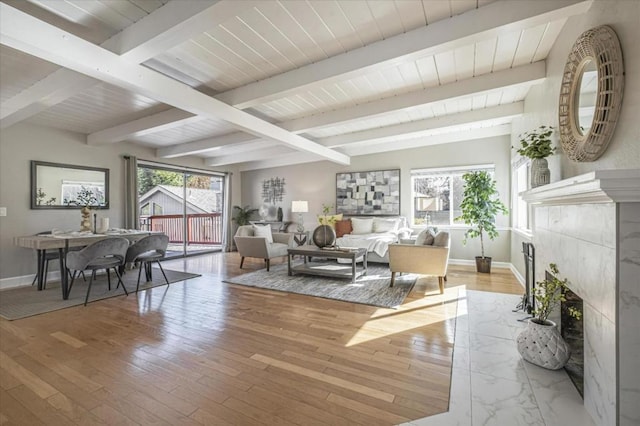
202	200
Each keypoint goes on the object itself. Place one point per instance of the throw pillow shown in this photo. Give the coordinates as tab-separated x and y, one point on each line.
441	239
343	227
362	226
263	231
329	219
384	225
425	237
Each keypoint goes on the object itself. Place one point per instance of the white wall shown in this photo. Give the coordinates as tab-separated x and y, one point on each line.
541	104
316	182
22	143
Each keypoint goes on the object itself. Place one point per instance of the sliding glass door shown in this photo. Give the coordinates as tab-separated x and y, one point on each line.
185	205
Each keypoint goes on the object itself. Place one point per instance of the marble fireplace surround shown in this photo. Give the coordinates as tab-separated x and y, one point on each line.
589	225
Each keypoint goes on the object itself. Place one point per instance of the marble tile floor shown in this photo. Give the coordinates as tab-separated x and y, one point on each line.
491	385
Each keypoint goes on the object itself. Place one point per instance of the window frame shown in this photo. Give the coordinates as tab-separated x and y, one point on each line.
517	202
451	172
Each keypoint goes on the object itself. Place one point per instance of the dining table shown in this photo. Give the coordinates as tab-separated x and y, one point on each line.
63	241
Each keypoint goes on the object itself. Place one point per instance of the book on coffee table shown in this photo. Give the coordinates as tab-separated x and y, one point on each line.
342	249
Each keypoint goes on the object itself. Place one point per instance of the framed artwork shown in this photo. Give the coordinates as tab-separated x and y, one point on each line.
375	193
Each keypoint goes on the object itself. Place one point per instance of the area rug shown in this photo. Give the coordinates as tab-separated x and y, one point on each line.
22	302
371	289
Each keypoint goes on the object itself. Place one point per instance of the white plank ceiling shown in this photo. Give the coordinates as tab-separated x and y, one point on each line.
328	78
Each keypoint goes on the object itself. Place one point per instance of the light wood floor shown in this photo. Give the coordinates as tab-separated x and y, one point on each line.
206	352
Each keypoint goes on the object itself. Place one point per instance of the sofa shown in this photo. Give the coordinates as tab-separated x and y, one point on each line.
373	233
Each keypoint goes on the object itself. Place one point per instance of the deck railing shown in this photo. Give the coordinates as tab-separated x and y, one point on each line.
202	228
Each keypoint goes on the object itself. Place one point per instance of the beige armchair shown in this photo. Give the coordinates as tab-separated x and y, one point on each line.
420	259
250	245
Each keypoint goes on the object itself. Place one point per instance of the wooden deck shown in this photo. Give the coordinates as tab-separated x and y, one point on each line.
206	352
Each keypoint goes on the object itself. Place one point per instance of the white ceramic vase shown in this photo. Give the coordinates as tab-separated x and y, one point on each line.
542	345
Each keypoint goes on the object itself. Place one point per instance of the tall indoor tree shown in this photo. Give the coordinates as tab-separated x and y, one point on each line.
480	206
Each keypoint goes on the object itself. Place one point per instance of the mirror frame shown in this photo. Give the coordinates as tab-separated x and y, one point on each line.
34	186
602	46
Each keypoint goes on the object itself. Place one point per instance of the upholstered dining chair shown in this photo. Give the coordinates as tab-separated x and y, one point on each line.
146	251
103	254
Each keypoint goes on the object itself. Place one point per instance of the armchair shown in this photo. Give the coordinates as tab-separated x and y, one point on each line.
420	259
250	245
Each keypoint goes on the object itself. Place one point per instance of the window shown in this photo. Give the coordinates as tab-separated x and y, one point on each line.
436	194
520	183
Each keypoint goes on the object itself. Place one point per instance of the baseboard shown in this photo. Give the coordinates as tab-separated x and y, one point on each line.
26	280
518	276
468	262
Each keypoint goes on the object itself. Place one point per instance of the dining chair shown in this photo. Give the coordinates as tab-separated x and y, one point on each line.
103	254
146	251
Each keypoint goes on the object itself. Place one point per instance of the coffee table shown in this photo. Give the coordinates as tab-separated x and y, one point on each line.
307	252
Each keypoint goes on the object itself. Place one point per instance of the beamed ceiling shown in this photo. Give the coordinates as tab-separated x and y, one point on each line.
267	83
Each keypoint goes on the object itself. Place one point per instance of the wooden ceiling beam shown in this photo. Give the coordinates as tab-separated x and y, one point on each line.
523	76
476	25
416	128
166	27
32	36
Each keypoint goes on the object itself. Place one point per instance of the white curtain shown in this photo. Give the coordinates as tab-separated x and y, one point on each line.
227	230
131	207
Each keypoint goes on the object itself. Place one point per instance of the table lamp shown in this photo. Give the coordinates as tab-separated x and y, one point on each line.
300	207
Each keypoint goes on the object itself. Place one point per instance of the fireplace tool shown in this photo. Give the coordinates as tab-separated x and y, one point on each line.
527	304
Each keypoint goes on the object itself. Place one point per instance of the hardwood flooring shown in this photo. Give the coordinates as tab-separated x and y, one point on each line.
207	352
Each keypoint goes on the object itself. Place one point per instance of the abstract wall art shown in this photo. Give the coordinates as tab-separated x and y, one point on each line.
368	193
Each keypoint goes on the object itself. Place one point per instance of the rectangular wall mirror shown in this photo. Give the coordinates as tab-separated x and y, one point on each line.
67	186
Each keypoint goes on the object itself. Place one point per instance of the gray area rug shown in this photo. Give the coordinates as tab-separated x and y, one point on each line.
371	289
22	302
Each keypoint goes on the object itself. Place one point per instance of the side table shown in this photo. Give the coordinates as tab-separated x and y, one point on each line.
301	238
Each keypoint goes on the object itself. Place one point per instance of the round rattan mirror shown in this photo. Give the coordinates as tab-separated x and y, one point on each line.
586	126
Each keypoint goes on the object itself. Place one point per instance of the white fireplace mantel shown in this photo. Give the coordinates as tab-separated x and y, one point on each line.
601	186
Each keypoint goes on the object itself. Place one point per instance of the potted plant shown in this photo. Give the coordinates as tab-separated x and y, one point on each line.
480	206
536	145
541	343
241	215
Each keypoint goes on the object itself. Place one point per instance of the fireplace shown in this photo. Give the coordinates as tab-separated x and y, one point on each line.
588	225
572	331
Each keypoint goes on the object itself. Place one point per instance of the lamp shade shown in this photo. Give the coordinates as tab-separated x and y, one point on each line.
299	207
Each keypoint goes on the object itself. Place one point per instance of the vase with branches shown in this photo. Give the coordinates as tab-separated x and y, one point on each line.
85	199
324	235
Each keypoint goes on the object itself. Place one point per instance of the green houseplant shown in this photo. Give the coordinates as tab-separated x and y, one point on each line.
536	145
241	215
480	207
541	343
548	294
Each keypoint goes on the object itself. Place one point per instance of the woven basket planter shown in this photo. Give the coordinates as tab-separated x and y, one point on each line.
540	174
542	345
